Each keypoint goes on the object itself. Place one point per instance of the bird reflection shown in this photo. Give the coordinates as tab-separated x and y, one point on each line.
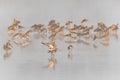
52	63
116	36
83	42
95	45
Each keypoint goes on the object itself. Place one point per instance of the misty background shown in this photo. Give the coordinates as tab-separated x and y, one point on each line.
88	63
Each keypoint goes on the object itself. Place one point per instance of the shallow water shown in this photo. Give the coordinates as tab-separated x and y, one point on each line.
87	64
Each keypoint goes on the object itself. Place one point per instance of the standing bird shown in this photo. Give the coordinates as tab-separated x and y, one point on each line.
70	47
7	47
83	22
69	24
15	26
52	48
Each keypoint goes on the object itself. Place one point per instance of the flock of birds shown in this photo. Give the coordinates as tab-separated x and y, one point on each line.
70	33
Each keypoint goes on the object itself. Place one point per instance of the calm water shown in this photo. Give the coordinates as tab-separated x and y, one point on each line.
88	63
